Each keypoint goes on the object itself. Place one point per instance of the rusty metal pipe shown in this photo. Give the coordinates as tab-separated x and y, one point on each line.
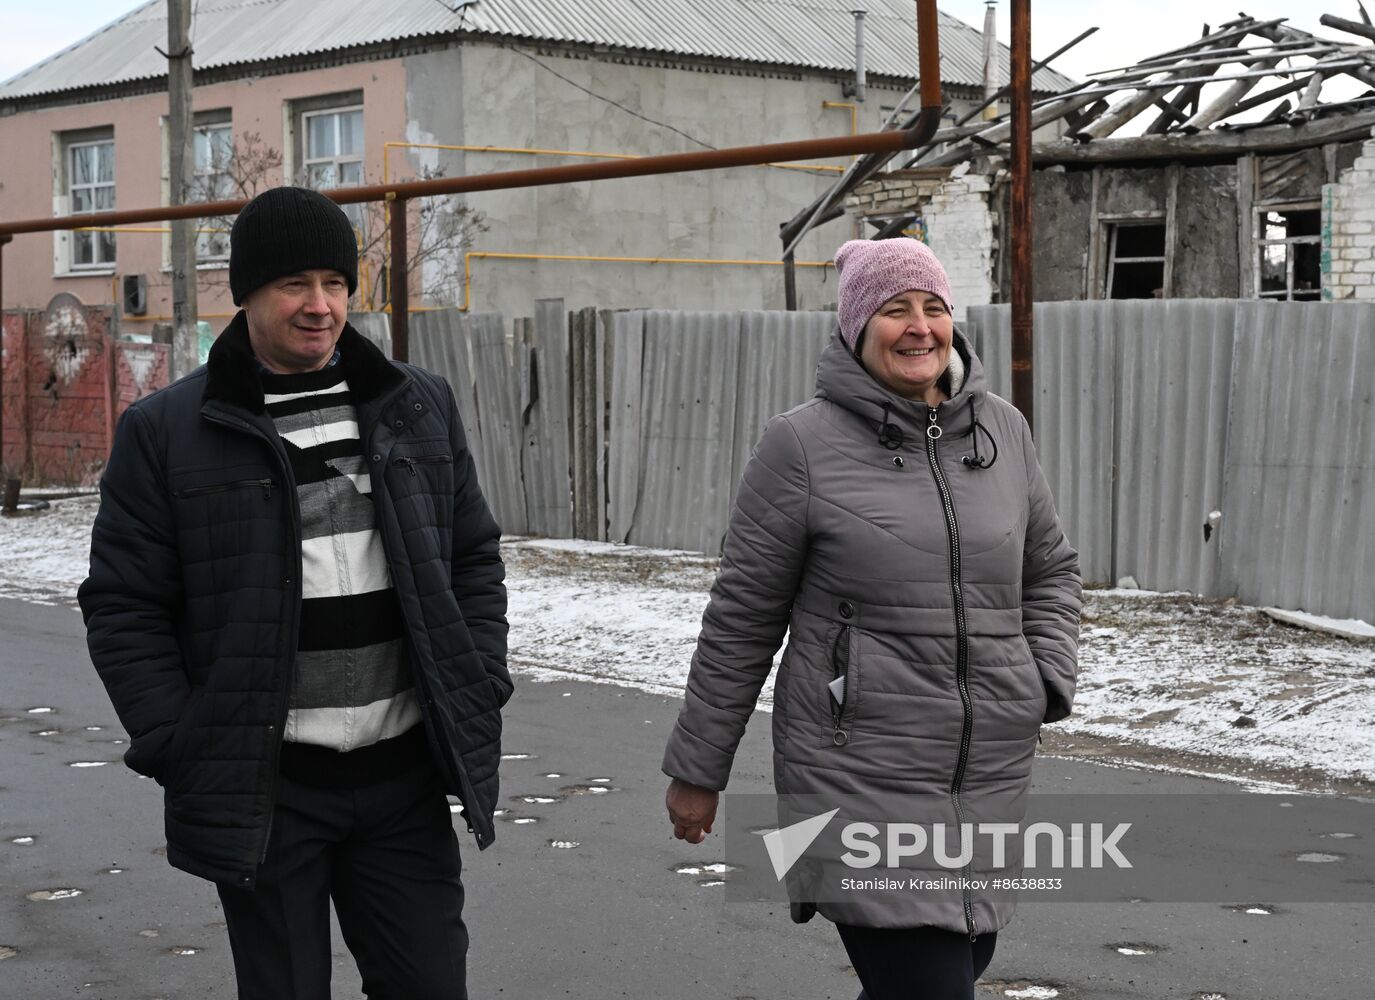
920	129
400	290
716	159
929	54
1022	387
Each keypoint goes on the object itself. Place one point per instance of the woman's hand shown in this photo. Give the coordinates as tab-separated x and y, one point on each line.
691	810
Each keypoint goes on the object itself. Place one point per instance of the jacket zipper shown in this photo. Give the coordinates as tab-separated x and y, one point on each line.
422	690
411	461
841	714
933	433
198	491
293	623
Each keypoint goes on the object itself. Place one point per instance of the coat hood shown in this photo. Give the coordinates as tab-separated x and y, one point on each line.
841	379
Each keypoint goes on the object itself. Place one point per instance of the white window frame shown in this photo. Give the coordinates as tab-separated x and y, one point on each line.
338	161
97	262
1260	242
211	247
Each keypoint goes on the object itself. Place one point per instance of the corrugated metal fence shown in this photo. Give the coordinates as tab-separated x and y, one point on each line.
624	426
1150	416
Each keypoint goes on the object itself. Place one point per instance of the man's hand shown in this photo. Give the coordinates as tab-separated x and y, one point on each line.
691	810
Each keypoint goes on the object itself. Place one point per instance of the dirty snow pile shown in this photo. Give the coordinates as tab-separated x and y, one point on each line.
1162	670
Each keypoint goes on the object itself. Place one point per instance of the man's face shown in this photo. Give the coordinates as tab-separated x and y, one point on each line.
294	321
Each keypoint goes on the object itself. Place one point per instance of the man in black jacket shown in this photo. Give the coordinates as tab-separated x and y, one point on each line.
296	605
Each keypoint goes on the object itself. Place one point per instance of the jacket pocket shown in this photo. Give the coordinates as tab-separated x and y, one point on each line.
842	690
266	485
181	738
409	462
502	690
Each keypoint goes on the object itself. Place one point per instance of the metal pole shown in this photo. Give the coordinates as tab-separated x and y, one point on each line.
861	81
1040	64
790	282
185	338
922	128
991	68
4	238
1021	211
400	287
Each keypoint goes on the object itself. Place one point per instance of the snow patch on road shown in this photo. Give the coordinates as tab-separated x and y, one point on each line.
47	895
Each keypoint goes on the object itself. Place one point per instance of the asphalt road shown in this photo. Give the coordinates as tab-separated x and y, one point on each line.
610	917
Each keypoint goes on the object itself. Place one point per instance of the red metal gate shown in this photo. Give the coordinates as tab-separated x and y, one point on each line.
67	379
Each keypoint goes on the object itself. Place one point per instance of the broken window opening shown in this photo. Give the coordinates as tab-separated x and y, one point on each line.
1288	256
1136	260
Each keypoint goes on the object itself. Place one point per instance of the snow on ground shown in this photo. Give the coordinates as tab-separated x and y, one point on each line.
45	556
612	613
1163	670
1209	677
1349	628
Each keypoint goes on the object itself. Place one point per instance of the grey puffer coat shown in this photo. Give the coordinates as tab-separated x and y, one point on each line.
945	593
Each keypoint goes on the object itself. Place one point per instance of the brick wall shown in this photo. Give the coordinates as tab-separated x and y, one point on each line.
1348	231
67	380
959	228
957	222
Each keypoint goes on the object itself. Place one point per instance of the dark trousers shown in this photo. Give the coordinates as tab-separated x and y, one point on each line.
387	855
921	963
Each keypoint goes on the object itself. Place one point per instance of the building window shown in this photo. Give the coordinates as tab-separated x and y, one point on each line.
213	145
90	170
1136	260
333	147
326	144
1289	253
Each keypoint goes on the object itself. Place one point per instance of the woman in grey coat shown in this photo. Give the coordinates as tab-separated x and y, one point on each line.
898	528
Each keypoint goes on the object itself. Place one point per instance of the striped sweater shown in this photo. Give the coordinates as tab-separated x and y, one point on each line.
351	687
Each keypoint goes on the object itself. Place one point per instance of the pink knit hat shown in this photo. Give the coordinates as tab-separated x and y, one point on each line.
873	271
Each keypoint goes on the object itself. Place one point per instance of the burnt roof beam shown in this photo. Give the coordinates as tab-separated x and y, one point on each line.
1208	41
1350	27
1176	110
1211	143
1222	105
1282	33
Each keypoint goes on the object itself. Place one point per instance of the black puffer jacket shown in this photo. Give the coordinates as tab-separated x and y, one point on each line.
193	601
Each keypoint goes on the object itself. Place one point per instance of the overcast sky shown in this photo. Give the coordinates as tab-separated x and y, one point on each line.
1127	31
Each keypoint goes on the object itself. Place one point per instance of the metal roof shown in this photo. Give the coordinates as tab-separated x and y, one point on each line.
814	34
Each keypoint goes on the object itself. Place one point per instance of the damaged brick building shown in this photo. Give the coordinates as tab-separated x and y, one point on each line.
1200	203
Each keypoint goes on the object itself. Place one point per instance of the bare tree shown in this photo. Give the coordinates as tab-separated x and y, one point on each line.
237	169
443	230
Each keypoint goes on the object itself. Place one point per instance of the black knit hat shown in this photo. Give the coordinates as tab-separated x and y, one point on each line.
285	230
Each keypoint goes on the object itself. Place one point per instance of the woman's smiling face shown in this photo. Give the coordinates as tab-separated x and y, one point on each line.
906	345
